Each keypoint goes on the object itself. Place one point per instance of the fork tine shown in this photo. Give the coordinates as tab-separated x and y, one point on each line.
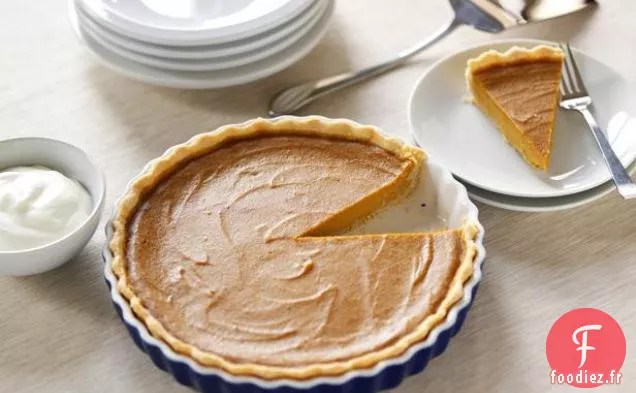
575	74
566	82
567	67
564	91
575	68
566	79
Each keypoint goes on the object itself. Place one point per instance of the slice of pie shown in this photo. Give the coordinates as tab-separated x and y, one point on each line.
231	249
519	91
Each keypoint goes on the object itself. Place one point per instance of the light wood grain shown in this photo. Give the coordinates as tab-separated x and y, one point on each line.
59	332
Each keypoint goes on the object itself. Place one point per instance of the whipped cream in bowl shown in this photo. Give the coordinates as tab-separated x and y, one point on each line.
51	197
38	206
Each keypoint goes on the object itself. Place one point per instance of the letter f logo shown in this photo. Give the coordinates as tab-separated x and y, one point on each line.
583	344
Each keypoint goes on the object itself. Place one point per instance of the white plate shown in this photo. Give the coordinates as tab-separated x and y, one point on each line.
209	79
193	22
208	51
542	204
458	135
212	64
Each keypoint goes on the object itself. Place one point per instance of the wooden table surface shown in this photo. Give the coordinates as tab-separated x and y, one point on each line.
59	331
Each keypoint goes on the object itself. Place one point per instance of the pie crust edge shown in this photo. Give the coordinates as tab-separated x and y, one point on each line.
513	55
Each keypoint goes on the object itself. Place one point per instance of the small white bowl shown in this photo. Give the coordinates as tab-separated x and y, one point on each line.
73	163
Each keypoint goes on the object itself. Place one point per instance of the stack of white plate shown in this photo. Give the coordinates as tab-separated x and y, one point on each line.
200	44
463	139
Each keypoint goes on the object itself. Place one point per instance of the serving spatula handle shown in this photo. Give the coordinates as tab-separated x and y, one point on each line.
293	98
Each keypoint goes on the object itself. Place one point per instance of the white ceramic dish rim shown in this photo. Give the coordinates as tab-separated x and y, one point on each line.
536	209
559	203
97	204
202	64
205	80
449	321
512	42
175	36
204	51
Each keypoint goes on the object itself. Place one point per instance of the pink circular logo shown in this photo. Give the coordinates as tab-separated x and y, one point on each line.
585	349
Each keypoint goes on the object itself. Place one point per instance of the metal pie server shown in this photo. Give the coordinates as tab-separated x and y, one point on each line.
491	16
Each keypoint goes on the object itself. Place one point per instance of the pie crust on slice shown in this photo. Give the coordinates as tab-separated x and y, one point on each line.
230	248
519	91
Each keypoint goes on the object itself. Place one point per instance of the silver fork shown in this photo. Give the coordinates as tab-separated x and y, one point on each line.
574	96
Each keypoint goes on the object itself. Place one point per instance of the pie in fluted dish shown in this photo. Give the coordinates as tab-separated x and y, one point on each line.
519	91
231	249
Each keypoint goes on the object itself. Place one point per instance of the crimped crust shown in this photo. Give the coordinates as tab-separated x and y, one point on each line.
513	55
207	142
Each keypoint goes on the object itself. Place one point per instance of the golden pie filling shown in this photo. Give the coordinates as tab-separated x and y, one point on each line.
237	257
519	91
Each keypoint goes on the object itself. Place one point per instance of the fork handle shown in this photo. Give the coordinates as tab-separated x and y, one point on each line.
622	179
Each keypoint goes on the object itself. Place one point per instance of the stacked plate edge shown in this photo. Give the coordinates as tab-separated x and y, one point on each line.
208	50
